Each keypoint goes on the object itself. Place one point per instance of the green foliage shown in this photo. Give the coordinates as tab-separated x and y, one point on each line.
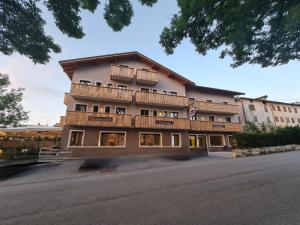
118	14
282	136
11	110
249	31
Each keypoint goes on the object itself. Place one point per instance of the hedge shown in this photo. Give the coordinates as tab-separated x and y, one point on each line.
282	136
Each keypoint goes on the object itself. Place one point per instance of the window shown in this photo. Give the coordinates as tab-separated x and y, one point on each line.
281	119
76	138
276	119
193	141
192	99
120	86
266	108
145	89
293	120
273	107
80	108
85	82
208	100
165	92
252	107
211	118
145	112
150	139
165	113
95	108
295	109
120	110
284	108
255	118
287	119
175	140
109	85
174	114
107	109
225	103
173	92
216	140
98	84
278	108
228	119
290	109
154	90
116	139
154	112
269	119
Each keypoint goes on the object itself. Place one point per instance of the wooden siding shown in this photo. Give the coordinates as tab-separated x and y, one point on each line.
144	76
149	98
92	92
212	126
153	122
98	119
211	107
121	73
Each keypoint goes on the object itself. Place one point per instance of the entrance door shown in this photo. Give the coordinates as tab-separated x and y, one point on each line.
193	141
202	142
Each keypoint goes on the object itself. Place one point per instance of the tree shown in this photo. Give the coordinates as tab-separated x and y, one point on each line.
11	110
249	31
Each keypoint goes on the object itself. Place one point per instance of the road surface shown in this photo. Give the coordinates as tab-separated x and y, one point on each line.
214	190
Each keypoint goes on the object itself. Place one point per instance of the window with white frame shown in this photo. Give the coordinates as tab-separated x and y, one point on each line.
150	139
121	86
76	138
174	114
175	140
85	82
216	140
145	112
112	139
173	92
80	108
121	110
95	108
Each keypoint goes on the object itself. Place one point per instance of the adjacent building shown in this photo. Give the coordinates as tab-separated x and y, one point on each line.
263	111
127	103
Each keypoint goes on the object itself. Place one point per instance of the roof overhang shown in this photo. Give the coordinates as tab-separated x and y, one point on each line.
214	90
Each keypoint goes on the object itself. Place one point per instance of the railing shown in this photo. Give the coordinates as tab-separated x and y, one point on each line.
161	122
144	76
62	121
101	93
214	107
98	119
120	72
150	98
67	98
197	125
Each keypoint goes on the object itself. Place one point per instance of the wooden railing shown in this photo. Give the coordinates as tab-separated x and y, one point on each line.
212	107
161	123
62	121
197	125
67	98
150	98
120	72
98	119
101	93
145	76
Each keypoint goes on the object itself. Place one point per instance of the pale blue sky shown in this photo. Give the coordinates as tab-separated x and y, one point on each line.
45	84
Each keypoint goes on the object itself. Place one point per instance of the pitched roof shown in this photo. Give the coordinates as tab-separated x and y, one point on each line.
215	90
69	65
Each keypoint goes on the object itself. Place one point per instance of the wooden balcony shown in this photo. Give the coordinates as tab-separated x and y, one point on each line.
121	73
153	122
148	77
62	121
157	99
217	108
67	98
99	93
98	119
212	126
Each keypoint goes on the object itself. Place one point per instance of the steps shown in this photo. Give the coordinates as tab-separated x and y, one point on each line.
47	155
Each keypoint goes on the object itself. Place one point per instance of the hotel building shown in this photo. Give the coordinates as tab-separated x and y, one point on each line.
127	103
263	111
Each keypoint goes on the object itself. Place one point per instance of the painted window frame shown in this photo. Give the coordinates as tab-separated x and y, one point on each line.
79	103
173	146
69	139
98	108
148	132
112	131
220	135
121	107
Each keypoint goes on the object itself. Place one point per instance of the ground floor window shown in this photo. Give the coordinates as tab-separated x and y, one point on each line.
116	139
175	140
216	140
231	141
202	141
150	139
193	141
76	138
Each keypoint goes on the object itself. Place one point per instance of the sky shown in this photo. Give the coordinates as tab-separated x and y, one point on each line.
45	85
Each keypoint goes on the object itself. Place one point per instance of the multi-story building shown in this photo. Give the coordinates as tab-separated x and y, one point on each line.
263	111
127	103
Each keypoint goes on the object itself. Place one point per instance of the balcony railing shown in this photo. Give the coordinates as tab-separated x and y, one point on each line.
98	119
211	107
153	122
91	92
62	121
197	125
67	98
144	76
157	99
121	73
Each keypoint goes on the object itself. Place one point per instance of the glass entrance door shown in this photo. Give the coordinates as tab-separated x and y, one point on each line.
193	141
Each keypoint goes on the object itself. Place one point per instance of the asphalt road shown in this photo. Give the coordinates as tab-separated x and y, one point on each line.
254	190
